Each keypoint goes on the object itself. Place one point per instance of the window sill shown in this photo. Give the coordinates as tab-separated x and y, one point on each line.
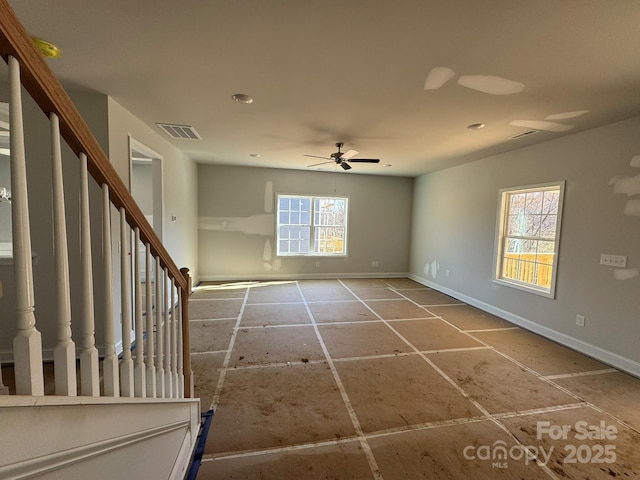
526	288
311	255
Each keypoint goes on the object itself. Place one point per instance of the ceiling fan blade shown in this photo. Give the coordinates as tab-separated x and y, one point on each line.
316	156
345	165
348	154
365	160
321	163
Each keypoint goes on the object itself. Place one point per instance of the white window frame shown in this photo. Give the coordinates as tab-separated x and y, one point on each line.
501	236
312	225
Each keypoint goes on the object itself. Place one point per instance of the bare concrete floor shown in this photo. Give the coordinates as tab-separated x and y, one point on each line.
387	379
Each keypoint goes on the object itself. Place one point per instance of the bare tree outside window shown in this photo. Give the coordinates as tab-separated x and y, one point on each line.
529	235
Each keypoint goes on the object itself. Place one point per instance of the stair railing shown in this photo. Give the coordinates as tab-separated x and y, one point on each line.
156	362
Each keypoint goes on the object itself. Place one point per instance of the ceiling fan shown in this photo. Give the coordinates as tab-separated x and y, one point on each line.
343	158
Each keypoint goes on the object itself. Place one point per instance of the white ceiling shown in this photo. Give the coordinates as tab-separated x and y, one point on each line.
351	70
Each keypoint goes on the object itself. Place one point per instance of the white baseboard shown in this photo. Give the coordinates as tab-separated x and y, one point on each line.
605	356
298	276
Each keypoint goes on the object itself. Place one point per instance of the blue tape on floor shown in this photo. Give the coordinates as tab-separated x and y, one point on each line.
207	417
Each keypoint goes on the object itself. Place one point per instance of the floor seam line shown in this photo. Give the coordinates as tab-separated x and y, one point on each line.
389	432
373	464
225	364
448	379
544	379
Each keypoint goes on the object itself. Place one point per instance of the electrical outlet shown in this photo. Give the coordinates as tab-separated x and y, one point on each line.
613	260
317	264
374	263
580	319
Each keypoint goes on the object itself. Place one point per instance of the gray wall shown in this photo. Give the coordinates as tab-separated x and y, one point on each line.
236	238
454	227
179	174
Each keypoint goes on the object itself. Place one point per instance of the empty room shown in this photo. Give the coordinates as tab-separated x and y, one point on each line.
331	240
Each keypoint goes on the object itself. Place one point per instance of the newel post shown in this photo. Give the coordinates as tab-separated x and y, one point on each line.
186	344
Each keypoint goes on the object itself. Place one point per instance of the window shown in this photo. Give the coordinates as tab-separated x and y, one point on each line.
528	237
312	225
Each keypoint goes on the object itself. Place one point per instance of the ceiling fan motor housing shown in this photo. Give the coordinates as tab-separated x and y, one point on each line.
336	156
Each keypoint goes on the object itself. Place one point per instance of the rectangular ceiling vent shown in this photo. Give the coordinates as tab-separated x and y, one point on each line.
524	134
180	131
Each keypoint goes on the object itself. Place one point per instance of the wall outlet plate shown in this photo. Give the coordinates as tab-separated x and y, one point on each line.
580	319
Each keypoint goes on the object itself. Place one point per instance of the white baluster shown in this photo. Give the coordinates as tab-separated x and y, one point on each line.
110	361
27	344
160	280
149	350
174	341
139	371
64	353
126	364
168	387
89	368
180	362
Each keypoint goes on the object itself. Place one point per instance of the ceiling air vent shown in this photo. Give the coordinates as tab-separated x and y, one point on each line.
524	134
180	131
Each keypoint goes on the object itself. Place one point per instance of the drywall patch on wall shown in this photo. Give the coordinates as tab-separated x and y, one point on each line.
625	273
431	267
269	262
267	254
626	185
258	224
629	186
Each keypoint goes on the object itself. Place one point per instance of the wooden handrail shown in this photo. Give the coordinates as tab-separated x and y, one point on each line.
45	89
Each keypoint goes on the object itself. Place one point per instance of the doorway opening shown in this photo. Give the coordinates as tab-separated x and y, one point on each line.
146	183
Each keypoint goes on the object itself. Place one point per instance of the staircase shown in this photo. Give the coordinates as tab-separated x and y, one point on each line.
109	394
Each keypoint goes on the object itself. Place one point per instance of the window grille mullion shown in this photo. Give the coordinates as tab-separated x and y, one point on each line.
524	237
